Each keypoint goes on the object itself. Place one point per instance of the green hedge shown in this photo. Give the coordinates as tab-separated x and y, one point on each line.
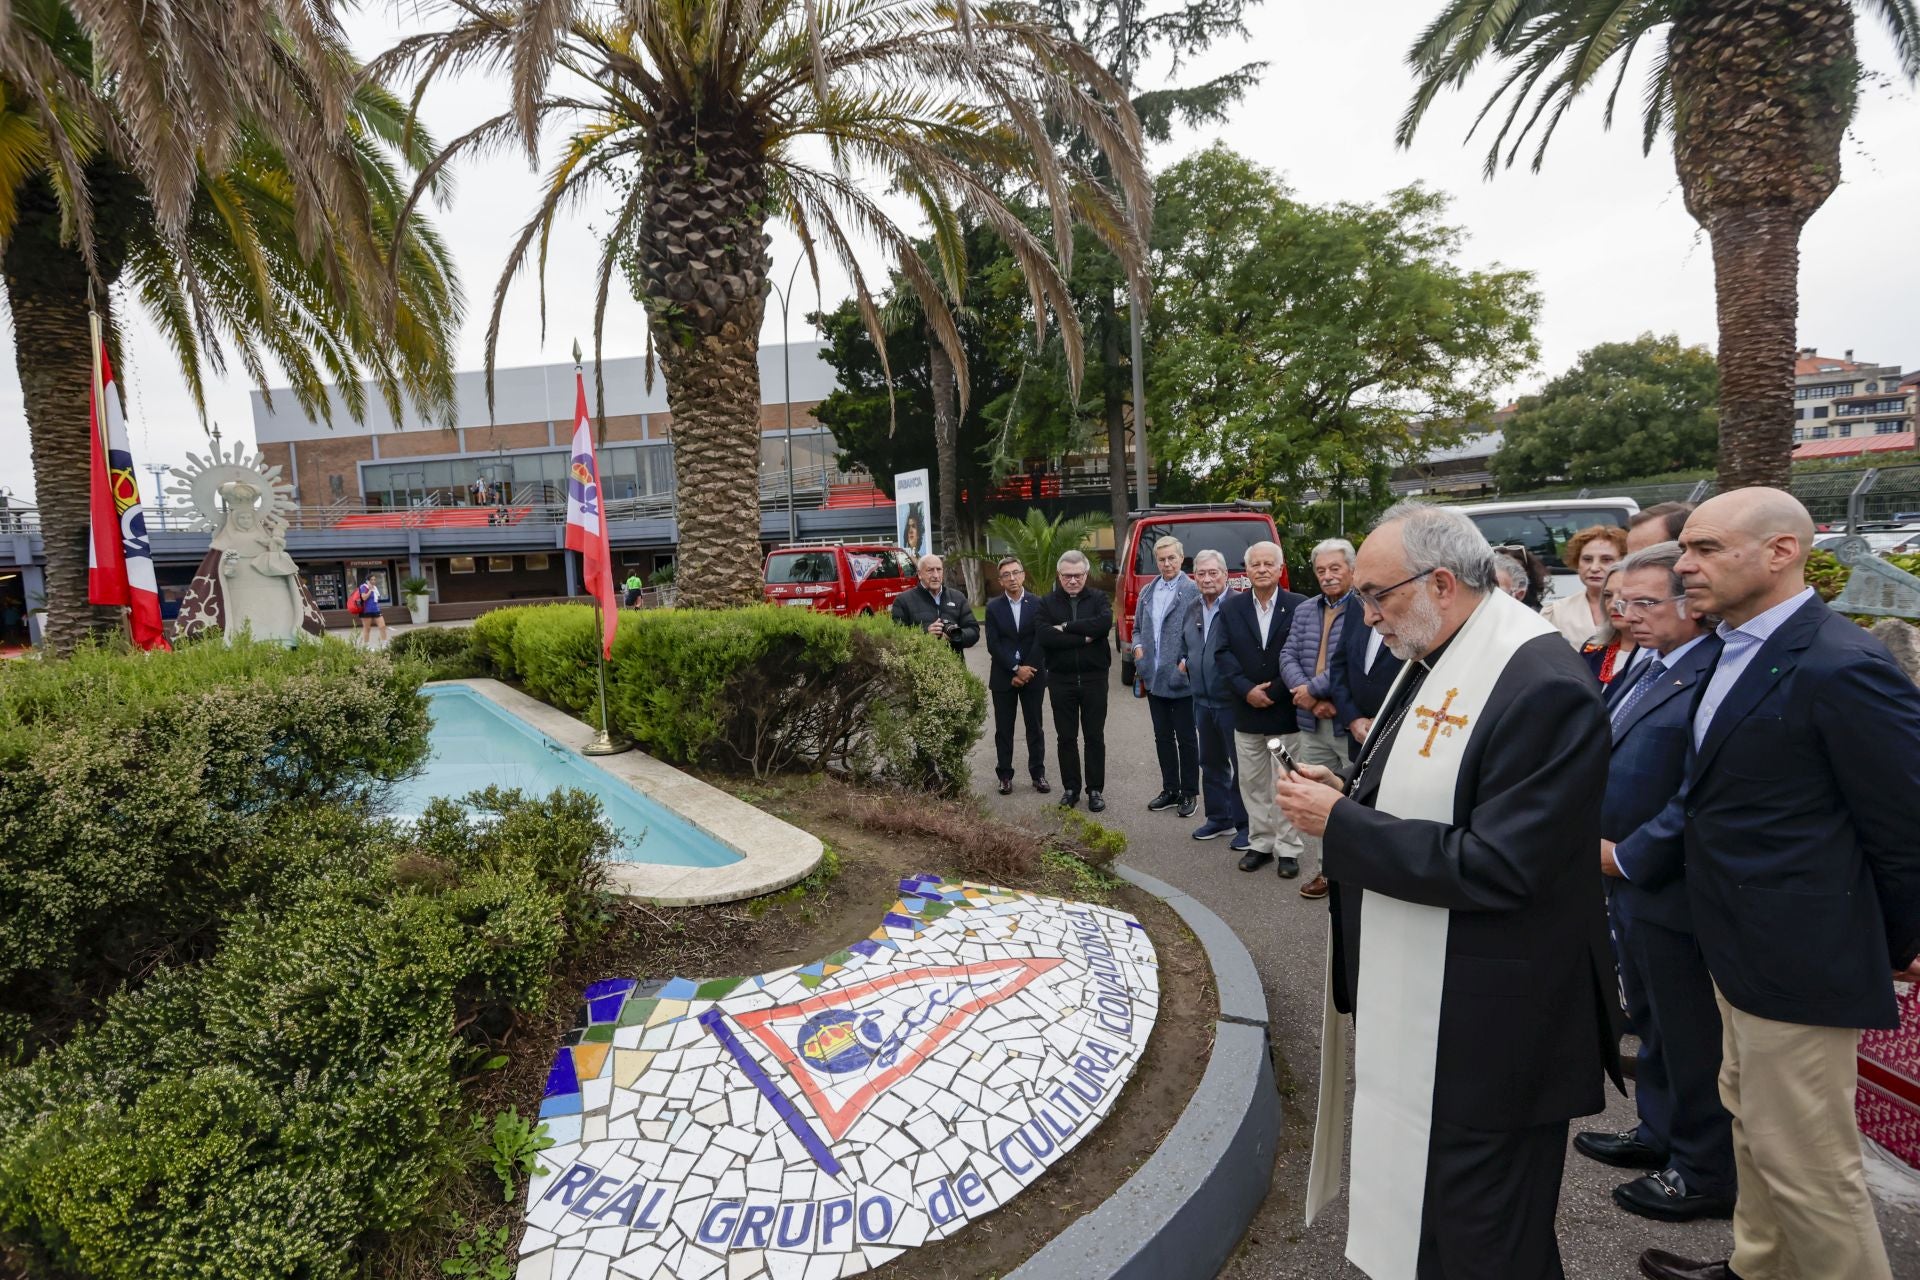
140	794
293	1103
443	653
760	688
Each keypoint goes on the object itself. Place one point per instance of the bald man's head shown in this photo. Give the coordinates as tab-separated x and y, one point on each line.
1744	552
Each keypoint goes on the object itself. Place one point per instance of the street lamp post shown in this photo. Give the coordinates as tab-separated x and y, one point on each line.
786	391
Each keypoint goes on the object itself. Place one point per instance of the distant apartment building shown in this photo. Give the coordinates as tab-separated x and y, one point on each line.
1846	408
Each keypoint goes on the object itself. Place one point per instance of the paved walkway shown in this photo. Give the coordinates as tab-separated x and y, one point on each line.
1287	936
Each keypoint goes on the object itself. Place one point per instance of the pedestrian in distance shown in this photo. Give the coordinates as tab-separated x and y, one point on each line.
936	608
1795	838
1213	706
1076	619
1160	666
1684	1136
370	615
1016	674
1254	627
1306	663
634	586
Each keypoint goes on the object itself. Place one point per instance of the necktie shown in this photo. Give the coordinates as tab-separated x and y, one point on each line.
1328	614
1639	691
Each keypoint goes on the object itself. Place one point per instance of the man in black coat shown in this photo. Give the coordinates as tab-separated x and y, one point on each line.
1252	630
1362	670
936	608
1527	1002
1016	674
1684	1135
1795	835
1075	619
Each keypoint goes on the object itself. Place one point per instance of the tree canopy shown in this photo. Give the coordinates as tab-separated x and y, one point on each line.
1624	409
1298	347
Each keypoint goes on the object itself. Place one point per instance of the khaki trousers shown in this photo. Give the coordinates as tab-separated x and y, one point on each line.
1268	830
1326	746
1803	1211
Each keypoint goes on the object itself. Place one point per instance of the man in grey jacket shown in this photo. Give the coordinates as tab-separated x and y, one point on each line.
1160	664
1305	667
1213	706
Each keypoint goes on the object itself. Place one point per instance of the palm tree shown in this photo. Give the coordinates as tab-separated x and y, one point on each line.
1757	94
707	119
238	272
1038	542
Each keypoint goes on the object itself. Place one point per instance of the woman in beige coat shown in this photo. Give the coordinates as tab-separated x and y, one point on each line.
1590	553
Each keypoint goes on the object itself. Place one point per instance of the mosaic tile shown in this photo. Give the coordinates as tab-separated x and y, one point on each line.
821	1119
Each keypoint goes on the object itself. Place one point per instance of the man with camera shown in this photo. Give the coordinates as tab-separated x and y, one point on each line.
936	608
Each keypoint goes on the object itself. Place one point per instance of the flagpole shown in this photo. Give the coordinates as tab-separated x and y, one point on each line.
98	410
603	743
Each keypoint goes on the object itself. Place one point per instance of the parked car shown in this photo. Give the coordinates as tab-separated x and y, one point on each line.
1229	528
851	579
1543	527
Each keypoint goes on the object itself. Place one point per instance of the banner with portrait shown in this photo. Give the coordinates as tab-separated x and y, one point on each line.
913	511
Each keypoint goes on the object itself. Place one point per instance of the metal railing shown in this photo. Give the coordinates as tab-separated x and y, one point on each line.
1856	495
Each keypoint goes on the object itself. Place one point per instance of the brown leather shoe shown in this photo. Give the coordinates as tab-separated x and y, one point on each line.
1314	888
1658	1264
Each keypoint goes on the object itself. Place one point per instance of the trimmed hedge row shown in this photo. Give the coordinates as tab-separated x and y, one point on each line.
762	688
291	1104
140	796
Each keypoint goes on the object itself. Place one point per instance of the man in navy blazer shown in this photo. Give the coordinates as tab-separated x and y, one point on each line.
1685	1135
1795	833
1361	674
1016	674
1251	631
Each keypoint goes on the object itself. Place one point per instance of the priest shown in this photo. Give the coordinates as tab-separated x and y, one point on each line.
1468	933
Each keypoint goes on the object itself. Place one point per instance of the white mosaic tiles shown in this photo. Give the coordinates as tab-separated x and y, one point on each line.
817	1121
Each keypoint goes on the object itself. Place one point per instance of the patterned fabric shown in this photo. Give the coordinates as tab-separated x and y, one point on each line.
1649	673
1887	1102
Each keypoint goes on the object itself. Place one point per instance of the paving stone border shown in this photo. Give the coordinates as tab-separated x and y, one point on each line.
1183	1212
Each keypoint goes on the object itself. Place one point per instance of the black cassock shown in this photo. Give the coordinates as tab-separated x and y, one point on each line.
1529	1012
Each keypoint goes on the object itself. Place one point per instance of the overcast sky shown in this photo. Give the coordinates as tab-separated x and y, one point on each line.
1602	227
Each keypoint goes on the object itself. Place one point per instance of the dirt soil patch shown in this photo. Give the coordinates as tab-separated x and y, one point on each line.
822	915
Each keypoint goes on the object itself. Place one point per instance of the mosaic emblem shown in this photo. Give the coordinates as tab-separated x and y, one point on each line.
817	1121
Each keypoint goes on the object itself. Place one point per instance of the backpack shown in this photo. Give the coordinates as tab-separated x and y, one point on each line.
356	602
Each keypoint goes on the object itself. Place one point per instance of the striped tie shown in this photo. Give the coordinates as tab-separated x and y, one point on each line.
1633	695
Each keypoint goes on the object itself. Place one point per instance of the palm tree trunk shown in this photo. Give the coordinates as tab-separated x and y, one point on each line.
1763	91
53	351
946	442
1756	281
713	390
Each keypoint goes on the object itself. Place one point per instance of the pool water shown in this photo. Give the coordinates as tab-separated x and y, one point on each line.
475	744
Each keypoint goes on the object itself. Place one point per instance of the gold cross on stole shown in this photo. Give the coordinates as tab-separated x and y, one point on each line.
1439	724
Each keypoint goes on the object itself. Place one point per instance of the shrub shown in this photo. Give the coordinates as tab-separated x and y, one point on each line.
443	653
281	1108
761	688
140	795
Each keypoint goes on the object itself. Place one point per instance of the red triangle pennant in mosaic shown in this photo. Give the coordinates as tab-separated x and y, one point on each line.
846	1048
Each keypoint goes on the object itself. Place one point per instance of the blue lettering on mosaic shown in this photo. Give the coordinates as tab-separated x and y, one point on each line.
716	1226
973	1192
600	1190
785	1234
940	1205
834	1214
753	1225
868	1232
568	1184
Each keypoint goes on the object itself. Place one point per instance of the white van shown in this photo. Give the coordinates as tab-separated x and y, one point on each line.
1544	526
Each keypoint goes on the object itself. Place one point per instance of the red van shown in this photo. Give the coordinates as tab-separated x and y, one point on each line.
1227	527
850	579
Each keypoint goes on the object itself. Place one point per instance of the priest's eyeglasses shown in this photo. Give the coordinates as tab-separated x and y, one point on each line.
1640	608
1371	599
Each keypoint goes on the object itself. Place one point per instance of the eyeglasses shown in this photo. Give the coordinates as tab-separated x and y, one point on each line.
1639	608
1371	599
1069	577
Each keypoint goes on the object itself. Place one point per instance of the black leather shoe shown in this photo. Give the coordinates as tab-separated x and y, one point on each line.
1288	868
1187	804
1096	803
1069	798
1006	786
1658	1264
1165	800
1666	1196
1255	860
1622	1150
1041	784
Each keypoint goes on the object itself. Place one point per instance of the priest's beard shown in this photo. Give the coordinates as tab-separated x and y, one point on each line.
1415	635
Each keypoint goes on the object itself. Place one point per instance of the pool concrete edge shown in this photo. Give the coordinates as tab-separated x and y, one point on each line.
773	854
1182	1213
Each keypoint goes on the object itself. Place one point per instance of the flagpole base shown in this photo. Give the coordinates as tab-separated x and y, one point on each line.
604	745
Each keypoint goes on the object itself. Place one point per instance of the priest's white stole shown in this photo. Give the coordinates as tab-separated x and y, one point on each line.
1403	958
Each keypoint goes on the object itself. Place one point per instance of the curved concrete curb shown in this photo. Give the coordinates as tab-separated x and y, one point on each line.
773	854
1183	1212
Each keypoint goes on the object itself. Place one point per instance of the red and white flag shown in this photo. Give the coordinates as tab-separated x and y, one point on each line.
119	558
587	517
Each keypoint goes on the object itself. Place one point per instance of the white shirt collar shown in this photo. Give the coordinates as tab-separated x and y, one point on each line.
1759	628
1672	660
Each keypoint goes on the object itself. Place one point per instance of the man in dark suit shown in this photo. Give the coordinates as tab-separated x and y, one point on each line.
1684	1136
1075	619
1253	629
1527	1017
1361	672
1213	704
1016	675
1795	834
936	608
